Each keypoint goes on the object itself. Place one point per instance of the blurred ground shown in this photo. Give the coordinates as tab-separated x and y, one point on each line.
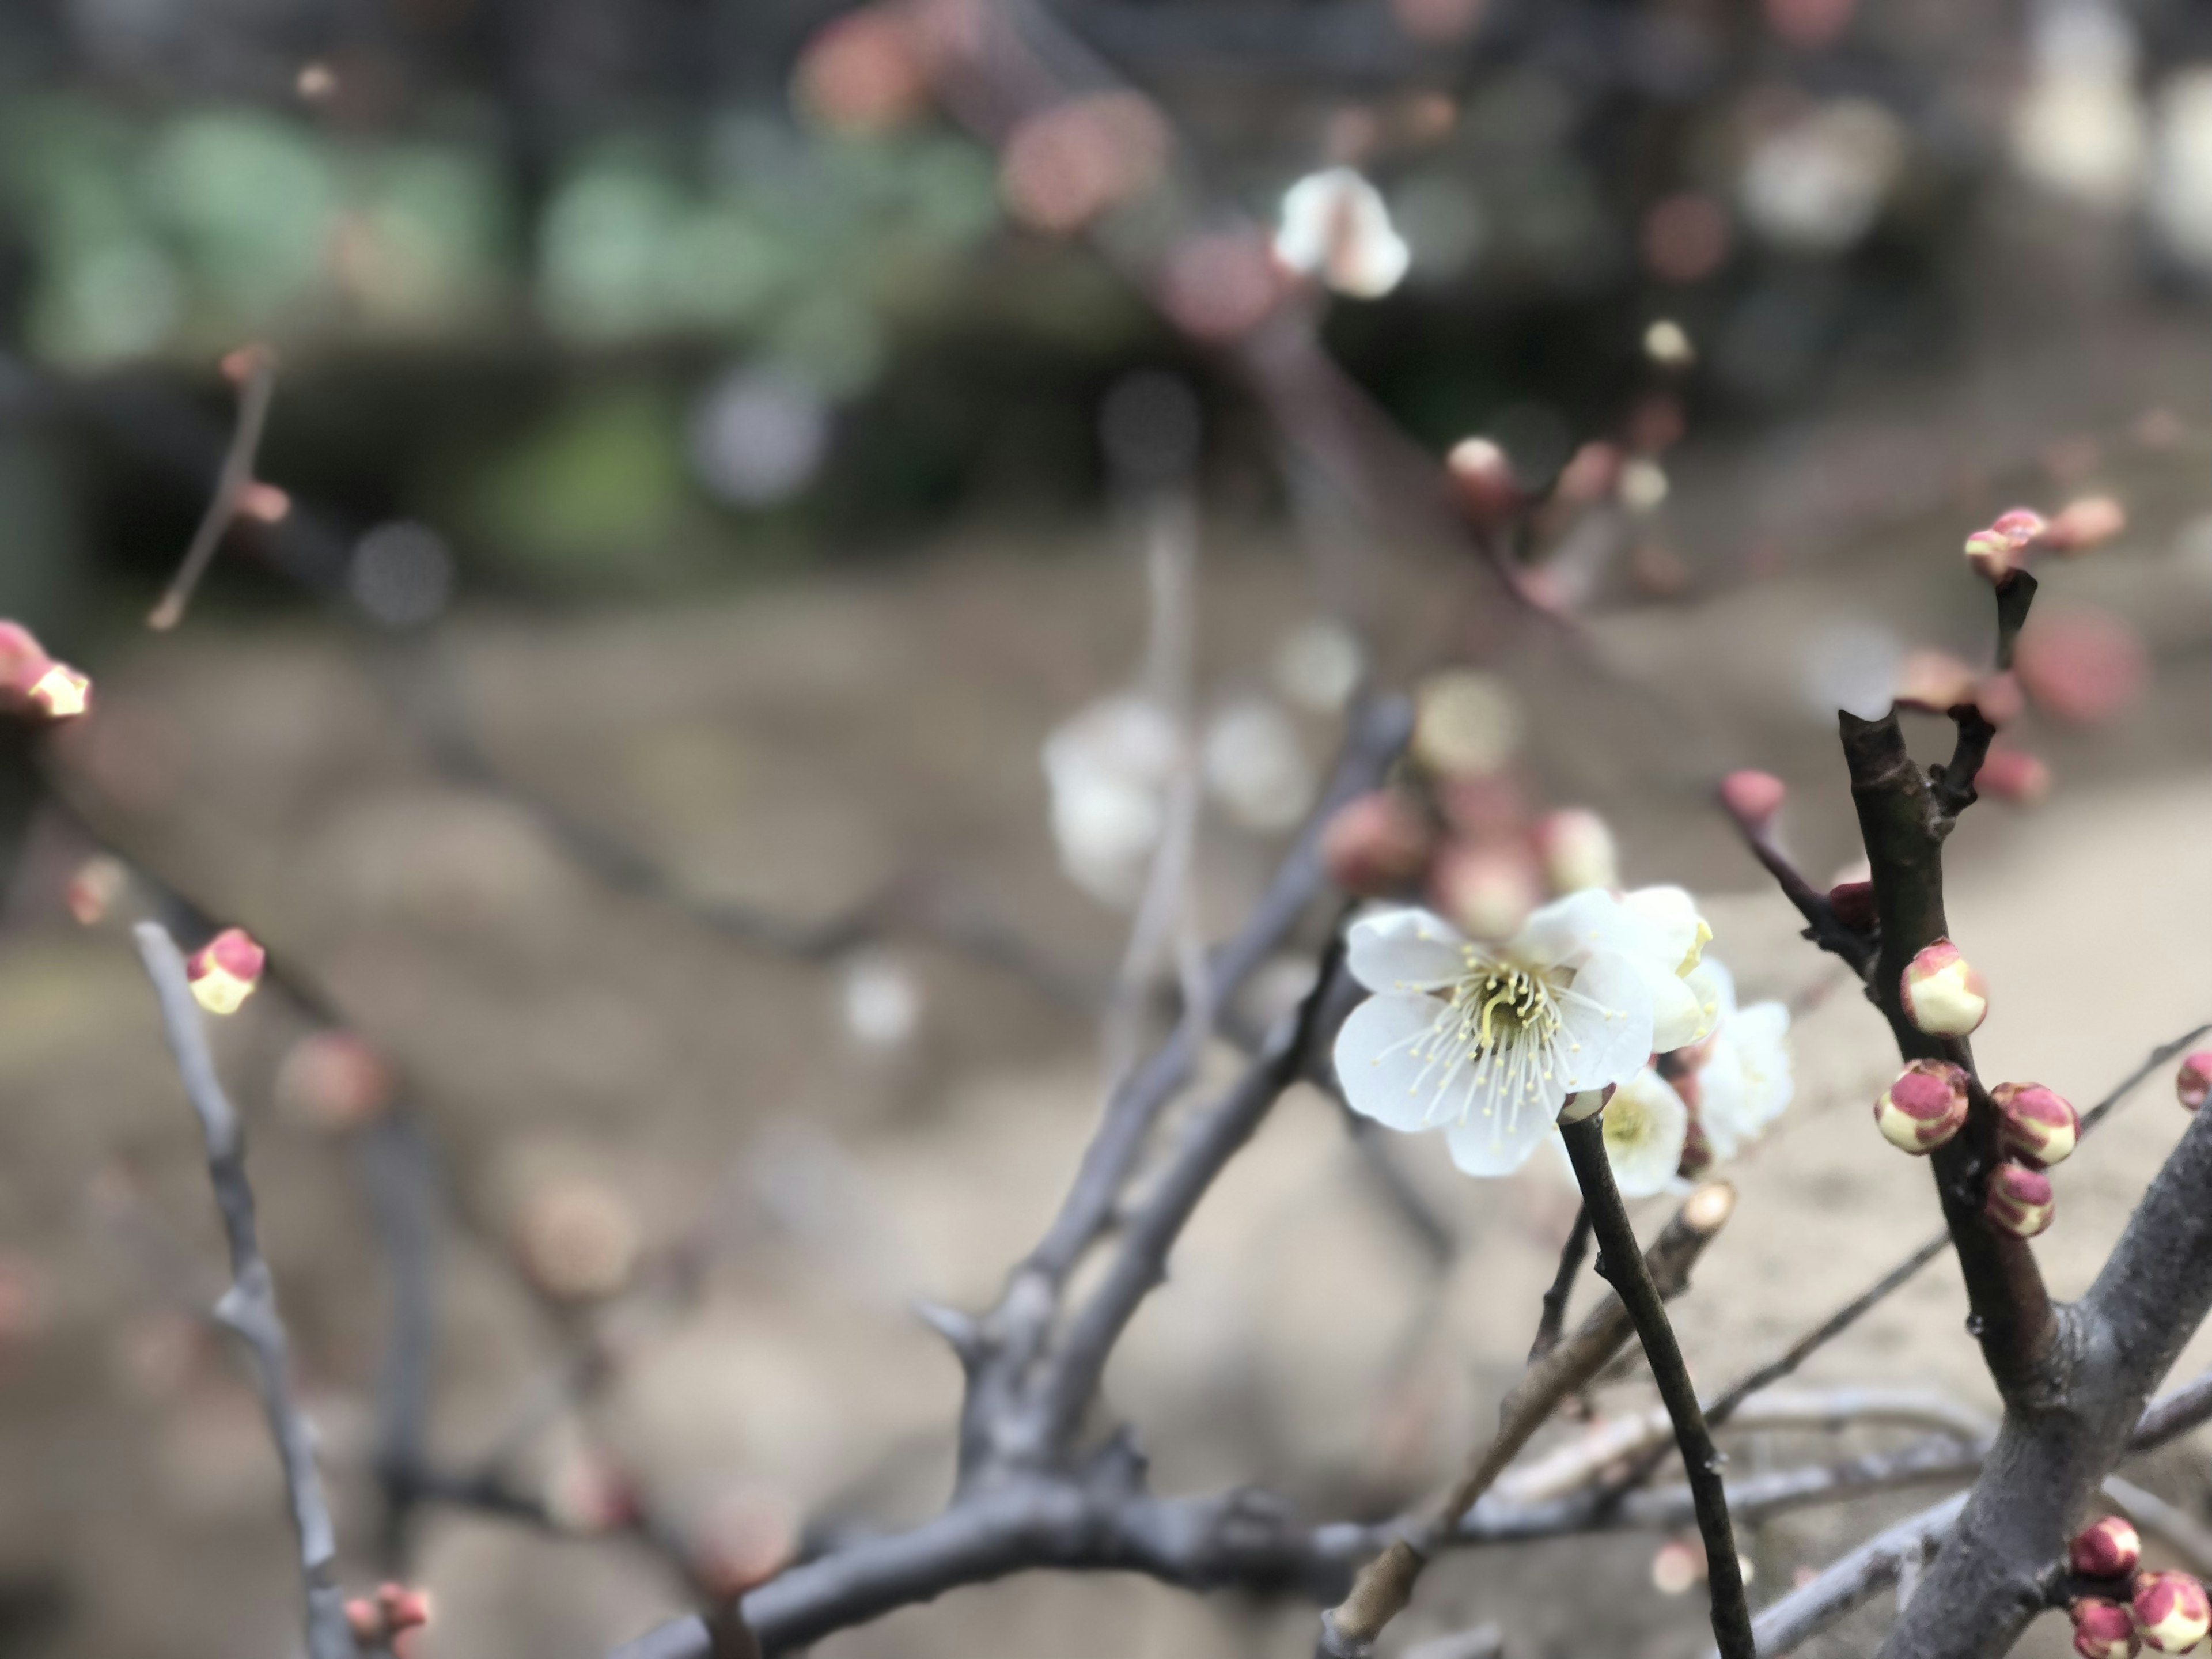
796	750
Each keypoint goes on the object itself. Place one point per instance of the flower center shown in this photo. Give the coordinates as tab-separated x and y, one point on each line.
1495	1004
1493	1037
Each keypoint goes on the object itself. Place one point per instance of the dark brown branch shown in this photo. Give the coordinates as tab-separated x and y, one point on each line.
1554	1316
1822	925
249	1307
232	483
1622	1263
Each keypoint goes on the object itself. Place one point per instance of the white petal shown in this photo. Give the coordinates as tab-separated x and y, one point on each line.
1381	1075
1645	1128
1404	949
1677	1017
1673	915
1606	1019
1500	1143
1724	1102
1714	984
1568	929
1761	1036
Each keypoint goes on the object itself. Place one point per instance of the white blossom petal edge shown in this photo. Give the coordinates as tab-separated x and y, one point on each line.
1646	1126
1488	1042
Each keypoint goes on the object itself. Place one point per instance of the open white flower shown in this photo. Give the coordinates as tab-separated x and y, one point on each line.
1646	1126
1744	1080
1336	226
1672	941
1487	1041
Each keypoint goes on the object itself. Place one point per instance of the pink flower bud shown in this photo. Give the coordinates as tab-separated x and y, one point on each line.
364	1620
333	1080
1934	681
578	1241
1942	994
1995	552
264	503
1923	1107
2035	1125
241	365
2013	775
1482	477
1678	1566
2088	522
1592	473
23	661
2103	1630
747	1535
1753	798
1576	849
2170	1613
95	888
1486	889
2000	698
224	971
2109	1548
1377	844
2192	1084
1853	904
403	1608
2082	666
2019	1200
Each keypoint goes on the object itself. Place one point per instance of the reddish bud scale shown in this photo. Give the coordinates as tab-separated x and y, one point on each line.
1377	845
1942	994
2192	1084
1923	1107
2035	1125
2018	1201
1853	904
1753	798
2170	1613
2103	1630
2107	1548
224	971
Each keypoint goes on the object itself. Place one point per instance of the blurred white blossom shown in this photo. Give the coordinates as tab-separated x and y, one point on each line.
1318	666
1743	1076
1254	767
2181	166
2078	127
1646	1127
1336	226
881	1002
1109	768
1818	184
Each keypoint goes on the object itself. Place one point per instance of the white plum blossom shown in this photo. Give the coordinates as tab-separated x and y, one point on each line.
1336	226
1743	1076
1110	766
1670	942
1646	1127
1488	1042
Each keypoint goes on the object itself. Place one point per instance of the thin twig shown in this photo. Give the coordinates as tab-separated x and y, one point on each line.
232	483
1622	1263
1554	1313
249	1307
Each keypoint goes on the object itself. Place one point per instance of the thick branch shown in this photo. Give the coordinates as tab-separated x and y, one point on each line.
249	1307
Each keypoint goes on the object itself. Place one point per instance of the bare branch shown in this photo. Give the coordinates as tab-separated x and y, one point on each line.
1823	927
232	483
1554	1314
249	1307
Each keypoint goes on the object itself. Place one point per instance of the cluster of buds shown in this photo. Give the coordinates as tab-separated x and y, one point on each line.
225	970
33	685
2192	1084
378	1621
1456	830
2013	539
2163	1612
1942	994
1927	1105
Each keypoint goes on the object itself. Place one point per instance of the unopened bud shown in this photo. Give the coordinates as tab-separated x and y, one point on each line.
2192	1084
2000	698
1486	889
1377	844
2103	1630
1678	1566
23	661
2013	775
264	503
1853	904
1576	849
95	889
2170	1613
578	1241
1934	681
2019	1200
403	1608
333	1080
1592	473
1753	798
2110	1549
1466	724
2086	523
224	971
1483	479
2003	547
61	693
2035	1125
1943	996
748	1535
1923	1107
241	365
2082	666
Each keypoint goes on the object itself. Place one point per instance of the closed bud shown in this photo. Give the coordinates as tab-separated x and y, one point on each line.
2003	547
2104	1630
1753	798
1576	849
1377	844
2170	1613
95	889
2088	522
1486	889
403	1608
2192	1084
2018	1201
23	661
1943	996
1853	904
264	503
2014	774
1483	479
578	1241
1923	1107
2035	1125
224	971
2109	1548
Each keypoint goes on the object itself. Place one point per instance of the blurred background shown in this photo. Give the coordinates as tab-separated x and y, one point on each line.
771	516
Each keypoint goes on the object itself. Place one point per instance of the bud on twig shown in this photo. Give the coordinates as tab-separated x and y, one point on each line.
1483	478
224	971
2103	1630
2170	1613
394	1610
1923	1107
2036	1125
2192	1084
2013	775
1486	889
2109	1548
2086	522
1577	851
1853	904
1943	996
2019	1200
1753	798
2003	547
1377	844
